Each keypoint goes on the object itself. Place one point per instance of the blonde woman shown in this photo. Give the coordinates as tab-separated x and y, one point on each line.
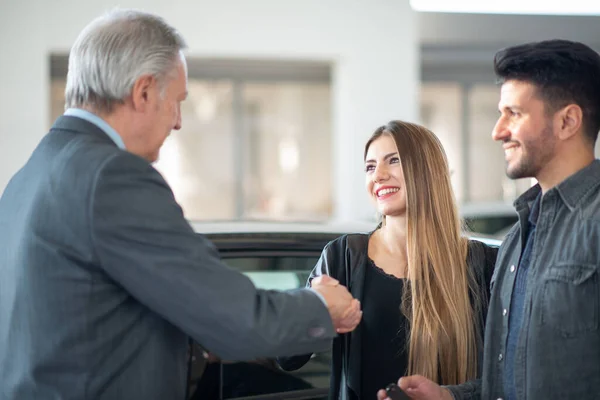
423	286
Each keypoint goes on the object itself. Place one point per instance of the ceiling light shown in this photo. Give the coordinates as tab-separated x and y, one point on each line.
548	7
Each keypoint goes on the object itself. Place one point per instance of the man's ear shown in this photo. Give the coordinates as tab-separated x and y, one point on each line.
570	121
142	92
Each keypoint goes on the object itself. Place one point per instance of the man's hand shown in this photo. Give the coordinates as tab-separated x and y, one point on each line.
419	388
343	308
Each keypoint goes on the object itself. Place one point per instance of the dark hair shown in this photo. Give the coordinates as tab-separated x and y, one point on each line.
564	72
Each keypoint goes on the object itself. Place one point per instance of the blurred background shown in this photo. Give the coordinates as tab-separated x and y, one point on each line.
284	94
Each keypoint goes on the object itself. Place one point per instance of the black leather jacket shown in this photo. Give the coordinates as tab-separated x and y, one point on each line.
345	259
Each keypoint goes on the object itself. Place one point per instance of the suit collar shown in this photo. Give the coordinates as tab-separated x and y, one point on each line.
99	122
80	126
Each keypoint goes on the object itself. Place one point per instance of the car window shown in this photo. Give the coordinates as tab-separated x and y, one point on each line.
222	380
303	264
496	225
275	273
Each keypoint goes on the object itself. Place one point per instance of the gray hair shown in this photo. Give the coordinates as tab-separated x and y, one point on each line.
114	51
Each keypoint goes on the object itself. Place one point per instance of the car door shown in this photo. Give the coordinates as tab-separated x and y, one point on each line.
273	262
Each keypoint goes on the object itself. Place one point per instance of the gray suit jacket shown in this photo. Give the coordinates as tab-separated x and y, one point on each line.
102	279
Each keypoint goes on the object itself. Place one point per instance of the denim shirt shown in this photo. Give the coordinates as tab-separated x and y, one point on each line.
558	349
515	313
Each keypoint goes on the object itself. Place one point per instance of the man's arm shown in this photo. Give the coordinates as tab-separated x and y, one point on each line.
325	273
144	243
470	390
420	388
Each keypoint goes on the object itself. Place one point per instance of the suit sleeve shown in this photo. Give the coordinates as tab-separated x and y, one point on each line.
325	266
143	242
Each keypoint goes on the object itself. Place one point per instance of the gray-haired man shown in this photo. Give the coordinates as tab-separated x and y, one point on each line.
102	279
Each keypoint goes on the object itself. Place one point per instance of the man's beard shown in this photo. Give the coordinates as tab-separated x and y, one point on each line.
535	154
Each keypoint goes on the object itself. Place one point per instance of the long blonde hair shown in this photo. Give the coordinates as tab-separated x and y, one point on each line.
444	337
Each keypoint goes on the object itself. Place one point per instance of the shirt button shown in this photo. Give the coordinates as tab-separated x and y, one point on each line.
504	312
512	268
500	357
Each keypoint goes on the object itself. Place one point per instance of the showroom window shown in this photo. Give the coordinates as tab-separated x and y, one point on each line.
249	129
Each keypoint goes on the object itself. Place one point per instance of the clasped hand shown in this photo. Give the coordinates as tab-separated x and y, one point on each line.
344	309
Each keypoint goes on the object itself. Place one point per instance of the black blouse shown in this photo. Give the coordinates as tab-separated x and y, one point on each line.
352	359
384	329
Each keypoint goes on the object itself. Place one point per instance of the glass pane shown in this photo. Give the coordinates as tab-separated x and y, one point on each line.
288	163
57	98
486	158
441	112
275	273
244	150
198	160
488	180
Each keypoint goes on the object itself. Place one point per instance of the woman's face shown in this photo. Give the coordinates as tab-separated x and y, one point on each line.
384	177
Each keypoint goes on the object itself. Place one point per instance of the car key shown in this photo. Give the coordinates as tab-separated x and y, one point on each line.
395	393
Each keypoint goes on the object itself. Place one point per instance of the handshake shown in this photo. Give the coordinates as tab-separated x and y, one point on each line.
344	309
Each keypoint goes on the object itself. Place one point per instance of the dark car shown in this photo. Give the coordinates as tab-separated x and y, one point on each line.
491	219
274	256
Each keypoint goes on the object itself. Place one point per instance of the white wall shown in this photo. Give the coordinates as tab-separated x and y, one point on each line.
373	46
23	83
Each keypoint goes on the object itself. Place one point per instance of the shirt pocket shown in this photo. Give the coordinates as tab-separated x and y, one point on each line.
570	299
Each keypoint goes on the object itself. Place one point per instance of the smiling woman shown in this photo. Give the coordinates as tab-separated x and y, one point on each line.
408	178
423	286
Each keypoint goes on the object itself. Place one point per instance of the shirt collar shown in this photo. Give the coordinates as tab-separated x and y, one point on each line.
535	210
99	122
575	187
571	190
